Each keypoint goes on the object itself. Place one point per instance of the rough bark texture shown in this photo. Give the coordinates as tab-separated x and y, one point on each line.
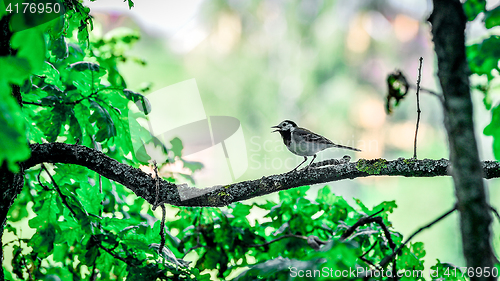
217	196
11	185
448	25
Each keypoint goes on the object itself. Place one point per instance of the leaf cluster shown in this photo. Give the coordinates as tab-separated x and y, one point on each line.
287	237
483	60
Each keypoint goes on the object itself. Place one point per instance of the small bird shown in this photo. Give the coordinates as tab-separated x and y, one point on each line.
303	142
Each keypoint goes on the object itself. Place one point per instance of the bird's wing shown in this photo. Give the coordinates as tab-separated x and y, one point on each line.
309	136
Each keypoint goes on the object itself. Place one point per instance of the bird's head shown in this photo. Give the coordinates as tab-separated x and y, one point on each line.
286	125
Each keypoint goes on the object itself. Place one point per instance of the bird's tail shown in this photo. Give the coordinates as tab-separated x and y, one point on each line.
346	147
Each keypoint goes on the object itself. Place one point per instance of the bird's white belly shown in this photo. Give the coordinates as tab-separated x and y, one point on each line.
305	148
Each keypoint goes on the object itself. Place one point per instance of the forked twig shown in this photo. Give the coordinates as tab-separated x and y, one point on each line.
162	228
388	259
63	197
418	106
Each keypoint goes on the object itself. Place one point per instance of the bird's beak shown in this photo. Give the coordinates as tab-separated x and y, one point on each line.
276	129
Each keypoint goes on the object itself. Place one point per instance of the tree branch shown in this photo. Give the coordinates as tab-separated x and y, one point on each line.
144	185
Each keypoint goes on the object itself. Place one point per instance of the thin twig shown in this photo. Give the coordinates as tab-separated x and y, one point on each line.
162	228
100	191
63	197
372	215
277	239
77	101
40	182
23	260
198	244
115	255
362	221
93	276
428	91
495	212
362	257
370	263
194	248
33	103
388	259
157	185
371	248
418	107
380	222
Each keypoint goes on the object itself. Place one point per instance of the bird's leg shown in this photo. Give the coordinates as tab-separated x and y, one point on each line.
305	159
311	162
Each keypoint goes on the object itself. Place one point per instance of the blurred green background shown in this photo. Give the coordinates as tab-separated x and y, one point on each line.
322	64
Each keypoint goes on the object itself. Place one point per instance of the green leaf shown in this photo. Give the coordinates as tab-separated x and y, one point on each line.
447	272
103	121
387	206
90	197
148	272
130	4
50	122
114	77
176	147
10	228
363	207
60	252
46	212
418	249
91	253
492	17
26	87
59	48
493	129
31	46
293	194
192	165
74	127
141	101
43	241
84	66
14	70
241	210
408	259
325	195
483	57
51	75
472	8
71	232
105	262
45	222
3	9
13	145
83	35
85	76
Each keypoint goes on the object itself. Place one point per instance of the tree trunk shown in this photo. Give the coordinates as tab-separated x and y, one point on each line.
448	25
11	185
